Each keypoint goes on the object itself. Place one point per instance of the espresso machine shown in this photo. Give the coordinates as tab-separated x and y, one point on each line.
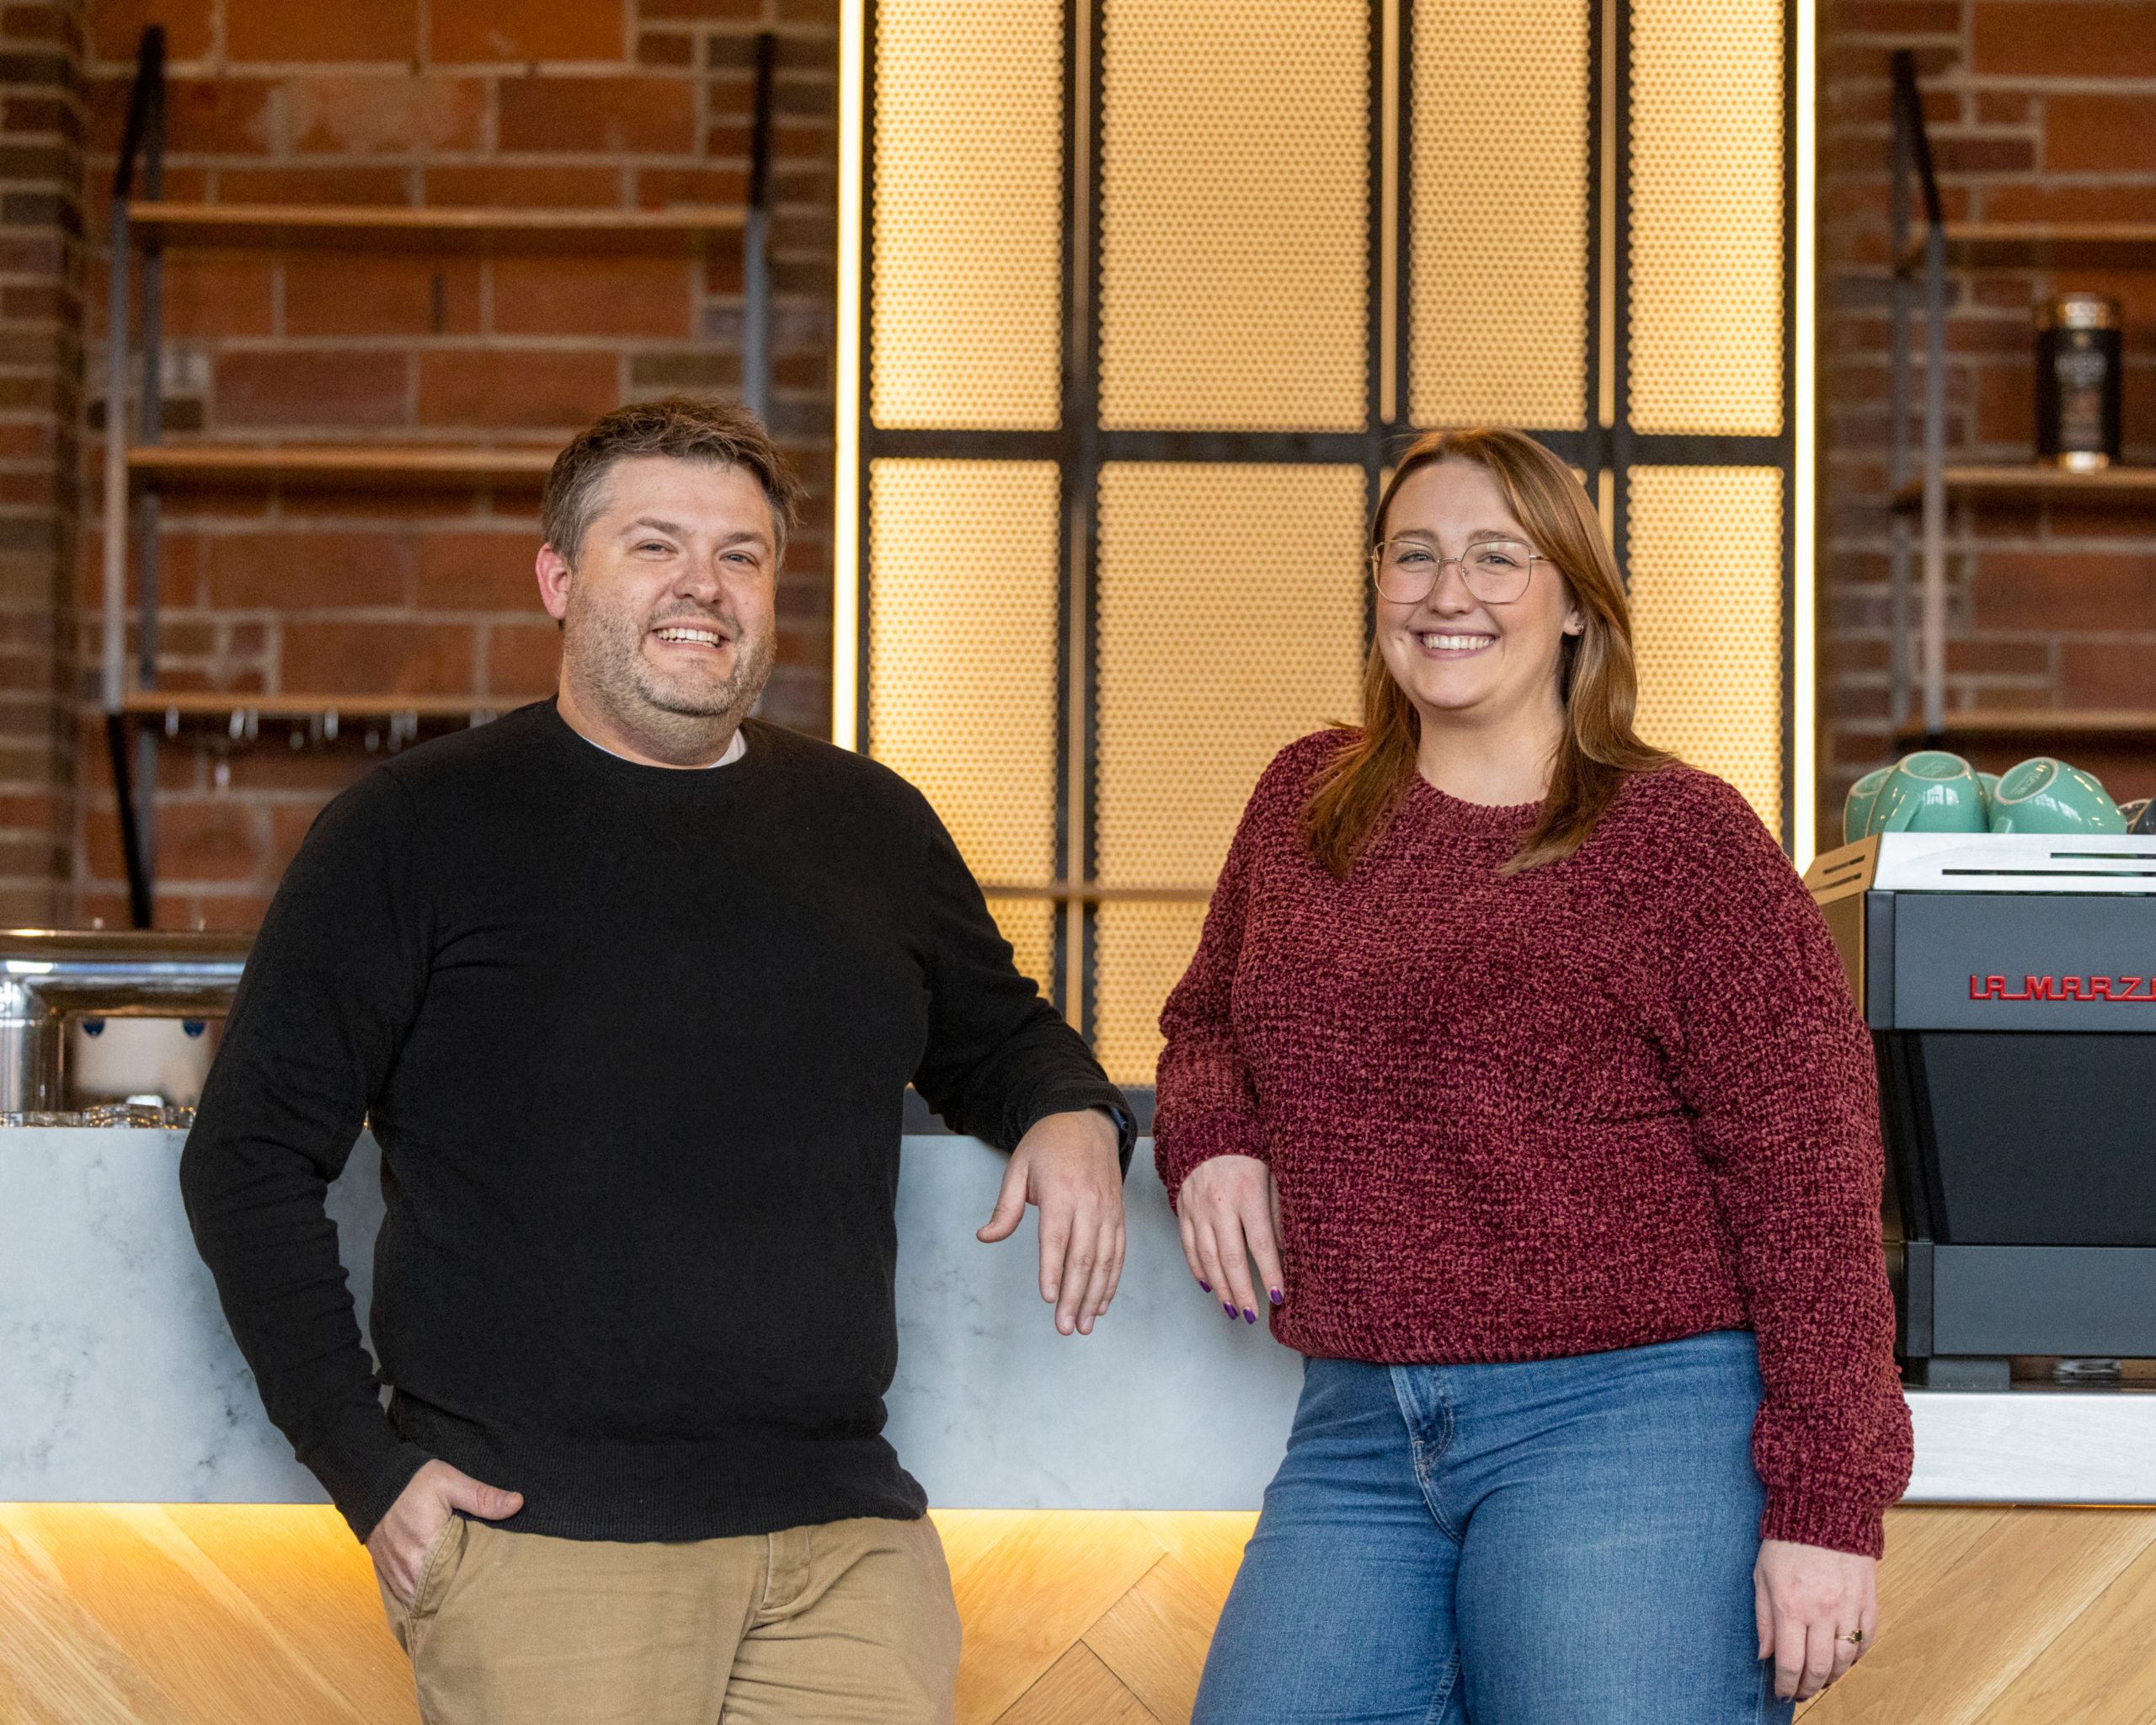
2008	981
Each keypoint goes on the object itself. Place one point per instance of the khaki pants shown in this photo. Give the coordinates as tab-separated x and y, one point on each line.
851	1621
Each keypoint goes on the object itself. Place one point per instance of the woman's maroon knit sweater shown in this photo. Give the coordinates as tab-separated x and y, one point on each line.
1615	1100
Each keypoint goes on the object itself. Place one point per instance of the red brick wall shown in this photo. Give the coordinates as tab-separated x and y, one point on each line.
40	287
2037	110
2039	107
560	103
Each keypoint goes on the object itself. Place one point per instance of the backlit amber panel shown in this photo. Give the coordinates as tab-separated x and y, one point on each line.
962	682
1706	591
1029	924
1234	219
1706	215
967	210
1139	953
1497	232
1231	622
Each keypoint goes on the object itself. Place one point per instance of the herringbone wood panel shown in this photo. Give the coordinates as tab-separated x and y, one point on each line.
199	1615
2009	1617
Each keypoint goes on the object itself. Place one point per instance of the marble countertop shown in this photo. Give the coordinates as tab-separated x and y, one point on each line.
119	1381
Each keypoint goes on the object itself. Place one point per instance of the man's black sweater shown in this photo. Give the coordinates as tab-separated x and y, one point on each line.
634	1042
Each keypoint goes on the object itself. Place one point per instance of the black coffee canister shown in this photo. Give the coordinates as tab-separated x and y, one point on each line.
2078	381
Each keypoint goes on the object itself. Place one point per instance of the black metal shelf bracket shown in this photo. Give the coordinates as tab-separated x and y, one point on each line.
136	784
1913	175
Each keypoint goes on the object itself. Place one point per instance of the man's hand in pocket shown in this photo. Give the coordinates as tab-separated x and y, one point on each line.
402	1539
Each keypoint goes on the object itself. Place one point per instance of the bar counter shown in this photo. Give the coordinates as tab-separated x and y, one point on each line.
119	1381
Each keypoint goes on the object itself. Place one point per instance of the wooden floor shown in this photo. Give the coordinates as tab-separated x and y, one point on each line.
212	1616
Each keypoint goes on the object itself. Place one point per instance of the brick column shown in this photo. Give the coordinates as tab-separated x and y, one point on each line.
40	373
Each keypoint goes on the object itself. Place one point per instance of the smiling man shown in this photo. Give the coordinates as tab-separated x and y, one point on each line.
629	987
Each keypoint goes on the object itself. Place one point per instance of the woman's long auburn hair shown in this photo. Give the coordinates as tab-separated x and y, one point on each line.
1356	792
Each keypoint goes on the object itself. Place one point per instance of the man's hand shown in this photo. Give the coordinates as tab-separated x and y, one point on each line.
402	1539
1809	1600
1069	1166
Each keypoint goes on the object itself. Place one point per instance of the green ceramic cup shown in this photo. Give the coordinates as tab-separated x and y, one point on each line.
2044	795
1990	781
1856	811
1930	790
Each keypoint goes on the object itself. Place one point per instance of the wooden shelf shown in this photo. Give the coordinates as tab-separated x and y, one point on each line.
2007	245
361	467
684	230
2117	484
2116	725
197	704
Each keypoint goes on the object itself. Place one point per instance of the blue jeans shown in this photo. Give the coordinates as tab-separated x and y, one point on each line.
1554	1542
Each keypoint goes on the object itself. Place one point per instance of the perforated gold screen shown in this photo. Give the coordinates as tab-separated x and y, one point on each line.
965	324
1029	924
1706	591
962	644
1498	232
1139	953
1235	295
1706	215
1230	623
1234	220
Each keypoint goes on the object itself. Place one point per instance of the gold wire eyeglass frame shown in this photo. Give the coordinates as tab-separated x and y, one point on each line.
1497	587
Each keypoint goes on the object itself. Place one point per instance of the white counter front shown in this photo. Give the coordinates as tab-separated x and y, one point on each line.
119	1381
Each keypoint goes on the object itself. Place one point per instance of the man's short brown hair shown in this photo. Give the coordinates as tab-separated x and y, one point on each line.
687	427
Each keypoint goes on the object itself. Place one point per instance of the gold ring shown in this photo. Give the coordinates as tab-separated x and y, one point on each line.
1854	1637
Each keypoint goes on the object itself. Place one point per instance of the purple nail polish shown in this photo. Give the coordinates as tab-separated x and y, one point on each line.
1249	1317
1207	1286
1278	1297
1227	1308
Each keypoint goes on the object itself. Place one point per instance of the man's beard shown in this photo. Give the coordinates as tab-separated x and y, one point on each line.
603	654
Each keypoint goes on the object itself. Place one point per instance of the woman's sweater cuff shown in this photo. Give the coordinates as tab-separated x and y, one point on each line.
1824	1521
1188	1145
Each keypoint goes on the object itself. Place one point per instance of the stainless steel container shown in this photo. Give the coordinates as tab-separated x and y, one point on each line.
2077	404
48	976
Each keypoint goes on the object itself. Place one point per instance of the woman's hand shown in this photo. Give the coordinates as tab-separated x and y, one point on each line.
1810	1601
1230	1211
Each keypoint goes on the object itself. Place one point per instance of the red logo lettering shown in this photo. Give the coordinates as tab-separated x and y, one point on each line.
2062	989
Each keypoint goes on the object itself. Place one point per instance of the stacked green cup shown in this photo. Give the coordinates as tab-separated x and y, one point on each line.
2044	795
1930	790
1856	812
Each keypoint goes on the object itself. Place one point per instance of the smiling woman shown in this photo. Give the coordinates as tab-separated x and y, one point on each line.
1512	682
1517	1059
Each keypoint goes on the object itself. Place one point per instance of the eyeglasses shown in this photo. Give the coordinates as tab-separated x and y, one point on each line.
1495	570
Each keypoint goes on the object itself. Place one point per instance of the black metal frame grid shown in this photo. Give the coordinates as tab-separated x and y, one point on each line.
1081	446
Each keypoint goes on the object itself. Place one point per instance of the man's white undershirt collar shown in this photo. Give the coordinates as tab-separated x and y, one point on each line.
734	751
